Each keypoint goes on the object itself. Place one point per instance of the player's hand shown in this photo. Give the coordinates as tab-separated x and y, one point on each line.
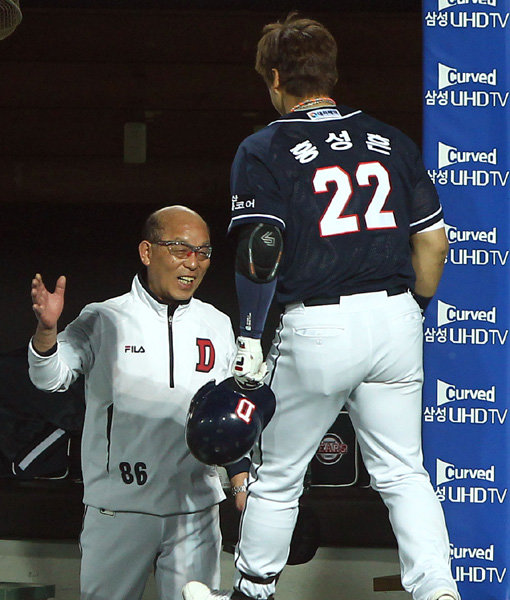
249	367
47	306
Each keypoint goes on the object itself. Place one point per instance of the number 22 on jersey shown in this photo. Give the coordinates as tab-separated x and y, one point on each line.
334	221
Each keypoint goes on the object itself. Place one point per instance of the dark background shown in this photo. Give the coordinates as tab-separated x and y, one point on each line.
75	72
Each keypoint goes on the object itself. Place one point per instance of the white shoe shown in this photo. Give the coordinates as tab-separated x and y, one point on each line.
444	595
194	590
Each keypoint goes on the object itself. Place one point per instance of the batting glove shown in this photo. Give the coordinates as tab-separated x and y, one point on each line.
249	367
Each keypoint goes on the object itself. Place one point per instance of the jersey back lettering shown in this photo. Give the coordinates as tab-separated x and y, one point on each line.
347	191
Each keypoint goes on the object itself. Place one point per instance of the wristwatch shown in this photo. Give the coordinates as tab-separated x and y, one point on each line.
236	489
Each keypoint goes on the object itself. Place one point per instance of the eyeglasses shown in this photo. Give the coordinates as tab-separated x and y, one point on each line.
183	250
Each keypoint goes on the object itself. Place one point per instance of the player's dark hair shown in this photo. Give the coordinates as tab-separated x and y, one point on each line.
152	228
303	51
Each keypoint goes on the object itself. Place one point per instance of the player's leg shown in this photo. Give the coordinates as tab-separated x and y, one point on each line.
307	359
190	551
389	440
386	412
117	553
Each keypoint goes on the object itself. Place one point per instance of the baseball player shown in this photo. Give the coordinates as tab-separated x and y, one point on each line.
144	354
334	211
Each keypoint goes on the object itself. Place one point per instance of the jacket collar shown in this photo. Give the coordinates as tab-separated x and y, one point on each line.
141	289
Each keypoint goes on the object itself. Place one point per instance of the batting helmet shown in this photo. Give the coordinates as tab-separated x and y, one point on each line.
224	421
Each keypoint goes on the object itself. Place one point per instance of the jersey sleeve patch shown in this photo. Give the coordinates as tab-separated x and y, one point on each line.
242	202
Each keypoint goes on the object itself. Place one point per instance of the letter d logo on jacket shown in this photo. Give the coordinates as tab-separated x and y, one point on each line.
206	355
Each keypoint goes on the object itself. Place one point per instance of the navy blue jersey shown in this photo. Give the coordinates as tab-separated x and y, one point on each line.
347	191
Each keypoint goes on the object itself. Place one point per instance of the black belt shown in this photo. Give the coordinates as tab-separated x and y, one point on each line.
394	291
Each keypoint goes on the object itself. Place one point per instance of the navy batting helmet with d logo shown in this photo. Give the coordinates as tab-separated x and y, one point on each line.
224	421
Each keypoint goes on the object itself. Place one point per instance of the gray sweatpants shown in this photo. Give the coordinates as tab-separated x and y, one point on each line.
120	549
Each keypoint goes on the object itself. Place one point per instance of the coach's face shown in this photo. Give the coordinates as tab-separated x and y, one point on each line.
168	276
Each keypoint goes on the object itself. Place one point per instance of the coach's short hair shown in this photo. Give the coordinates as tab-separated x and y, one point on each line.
303	51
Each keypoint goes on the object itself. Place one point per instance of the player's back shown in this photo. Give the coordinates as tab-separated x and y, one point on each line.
347	189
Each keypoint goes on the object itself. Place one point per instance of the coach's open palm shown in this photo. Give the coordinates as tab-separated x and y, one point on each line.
48	306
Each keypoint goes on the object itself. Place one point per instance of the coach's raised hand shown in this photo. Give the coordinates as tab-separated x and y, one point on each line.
47	307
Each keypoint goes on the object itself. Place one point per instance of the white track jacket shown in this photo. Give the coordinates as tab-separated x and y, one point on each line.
142	365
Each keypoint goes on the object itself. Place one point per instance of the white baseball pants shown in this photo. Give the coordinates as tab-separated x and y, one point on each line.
365	353
119	551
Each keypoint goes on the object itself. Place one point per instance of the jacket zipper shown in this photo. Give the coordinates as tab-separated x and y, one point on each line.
170	347
109	422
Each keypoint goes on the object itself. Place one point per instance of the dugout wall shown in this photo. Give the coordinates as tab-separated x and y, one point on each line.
466	421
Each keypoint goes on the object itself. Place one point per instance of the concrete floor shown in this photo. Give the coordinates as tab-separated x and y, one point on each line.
339	573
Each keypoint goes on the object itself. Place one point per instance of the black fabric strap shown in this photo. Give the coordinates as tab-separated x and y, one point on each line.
238	595
261	580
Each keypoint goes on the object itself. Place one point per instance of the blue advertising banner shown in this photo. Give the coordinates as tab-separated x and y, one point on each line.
467	360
